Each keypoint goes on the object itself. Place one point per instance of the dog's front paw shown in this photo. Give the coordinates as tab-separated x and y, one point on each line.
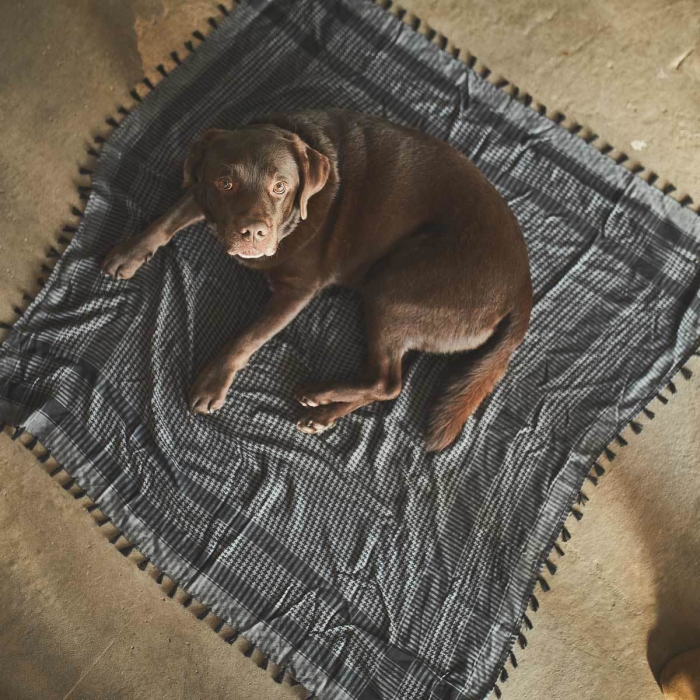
124	260
208	393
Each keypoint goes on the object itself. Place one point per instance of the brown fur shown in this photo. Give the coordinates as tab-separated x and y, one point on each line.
372	205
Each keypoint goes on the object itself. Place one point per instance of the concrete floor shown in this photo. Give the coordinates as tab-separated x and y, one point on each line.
79	621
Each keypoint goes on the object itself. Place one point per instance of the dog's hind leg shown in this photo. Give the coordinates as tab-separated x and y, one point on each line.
381	382
326	404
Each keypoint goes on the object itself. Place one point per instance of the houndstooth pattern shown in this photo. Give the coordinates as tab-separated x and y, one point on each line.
372	570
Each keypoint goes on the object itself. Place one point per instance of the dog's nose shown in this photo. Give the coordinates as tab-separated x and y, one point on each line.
255	230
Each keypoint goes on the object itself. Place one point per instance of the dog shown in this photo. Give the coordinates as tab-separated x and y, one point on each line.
313	199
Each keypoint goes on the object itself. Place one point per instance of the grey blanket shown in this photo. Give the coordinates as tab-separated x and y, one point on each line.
368	568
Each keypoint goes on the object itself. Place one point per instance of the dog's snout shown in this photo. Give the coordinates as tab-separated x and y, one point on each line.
255	230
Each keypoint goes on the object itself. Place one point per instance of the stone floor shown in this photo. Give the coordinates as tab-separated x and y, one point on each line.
79	621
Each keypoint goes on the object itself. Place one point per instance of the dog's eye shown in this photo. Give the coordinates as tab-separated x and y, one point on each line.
224	183
279	188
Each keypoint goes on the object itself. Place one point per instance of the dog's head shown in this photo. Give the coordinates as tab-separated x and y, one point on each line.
254	184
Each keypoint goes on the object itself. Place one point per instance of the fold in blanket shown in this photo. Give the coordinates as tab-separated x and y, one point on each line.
367	567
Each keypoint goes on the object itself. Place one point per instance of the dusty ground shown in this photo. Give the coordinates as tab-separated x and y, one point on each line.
79	621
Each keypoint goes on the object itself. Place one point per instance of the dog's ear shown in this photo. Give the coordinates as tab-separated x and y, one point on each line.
194	161
314	169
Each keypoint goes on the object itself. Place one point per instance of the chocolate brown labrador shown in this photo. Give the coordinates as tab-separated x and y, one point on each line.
338	198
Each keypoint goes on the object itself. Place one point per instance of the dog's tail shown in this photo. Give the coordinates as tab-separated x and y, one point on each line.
470	379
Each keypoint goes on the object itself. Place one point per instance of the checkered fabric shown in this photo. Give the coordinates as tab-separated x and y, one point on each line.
370	569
